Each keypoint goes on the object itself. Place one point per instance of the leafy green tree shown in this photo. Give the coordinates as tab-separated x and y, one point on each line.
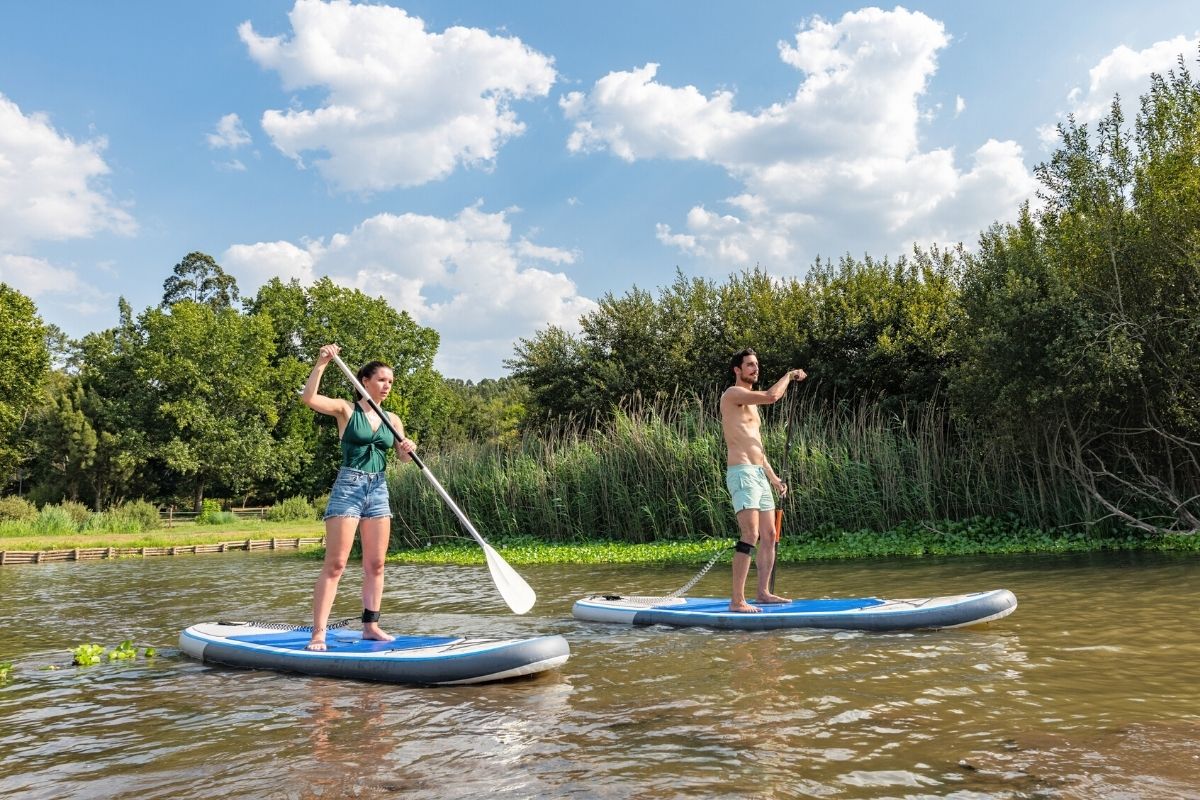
302	319
120	411
66	443
551	364
1080	336
864	330
881	332
490	411
199	278
204	371
23	368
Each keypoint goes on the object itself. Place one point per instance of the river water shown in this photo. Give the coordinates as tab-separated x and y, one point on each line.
1091	689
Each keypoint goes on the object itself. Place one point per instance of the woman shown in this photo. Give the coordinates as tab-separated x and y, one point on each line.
359	498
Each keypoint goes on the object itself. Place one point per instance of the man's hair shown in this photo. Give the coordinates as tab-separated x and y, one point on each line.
740	356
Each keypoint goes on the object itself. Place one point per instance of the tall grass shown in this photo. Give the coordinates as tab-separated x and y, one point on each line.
655	473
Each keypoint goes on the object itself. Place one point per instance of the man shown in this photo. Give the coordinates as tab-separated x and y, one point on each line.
749	476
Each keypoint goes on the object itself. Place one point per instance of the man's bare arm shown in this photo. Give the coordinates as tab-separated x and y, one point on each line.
755	397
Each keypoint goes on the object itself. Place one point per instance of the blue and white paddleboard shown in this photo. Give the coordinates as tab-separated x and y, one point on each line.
430	660
863	613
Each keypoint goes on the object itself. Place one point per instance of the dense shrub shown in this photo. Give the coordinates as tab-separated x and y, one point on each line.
17	509
54	519
78	511
293	508
210	512
319	504
139	514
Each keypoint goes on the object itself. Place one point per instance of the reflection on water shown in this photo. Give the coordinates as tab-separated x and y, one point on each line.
1090	690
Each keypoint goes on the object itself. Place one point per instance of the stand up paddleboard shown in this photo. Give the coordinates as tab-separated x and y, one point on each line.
864	613
430	660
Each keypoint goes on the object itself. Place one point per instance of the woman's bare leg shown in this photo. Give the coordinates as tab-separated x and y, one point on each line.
339	538
375	534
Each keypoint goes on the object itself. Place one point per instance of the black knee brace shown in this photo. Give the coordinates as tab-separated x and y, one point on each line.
743	547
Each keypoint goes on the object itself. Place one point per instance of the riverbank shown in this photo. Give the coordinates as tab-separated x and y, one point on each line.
964	538
184	534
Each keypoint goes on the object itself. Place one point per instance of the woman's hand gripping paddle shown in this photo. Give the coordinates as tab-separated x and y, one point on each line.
512	587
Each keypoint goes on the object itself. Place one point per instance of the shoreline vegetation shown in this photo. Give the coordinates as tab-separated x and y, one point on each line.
646	486
970	538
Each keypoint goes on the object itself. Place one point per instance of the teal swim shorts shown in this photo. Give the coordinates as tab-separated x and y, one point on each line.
749	488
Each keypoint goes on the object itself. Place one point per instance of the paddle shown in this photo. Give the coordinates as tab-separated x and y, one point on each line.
783	471
512	587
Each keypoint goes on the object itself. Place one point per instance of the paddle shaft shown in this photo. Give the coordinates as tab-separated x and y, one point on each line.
783	468
429	476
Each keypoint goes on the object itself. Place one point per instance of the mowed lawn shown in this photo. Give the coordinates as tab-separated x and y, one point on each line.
182	533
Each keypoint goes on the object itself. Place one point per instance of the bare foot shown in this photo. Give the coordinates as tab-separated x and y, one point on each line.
771	598
744	608
317	642
372	631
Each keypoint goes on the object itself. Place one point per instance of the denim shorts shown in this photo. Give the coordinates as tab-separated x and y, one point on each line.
358	494
749	487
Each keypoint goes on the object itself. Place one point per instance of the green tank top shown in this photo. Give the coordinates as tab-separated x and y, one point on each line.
363	448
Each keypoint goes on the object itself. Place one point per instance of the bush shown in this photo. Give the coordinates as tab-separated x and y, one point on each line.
216	517
98	521
210	512
294	508
319	505
141	515
54	519
78	511
17	509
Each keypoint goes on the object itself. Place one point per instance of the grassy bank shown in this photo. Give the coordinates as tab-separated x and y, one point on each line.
187	533
980	536
973	537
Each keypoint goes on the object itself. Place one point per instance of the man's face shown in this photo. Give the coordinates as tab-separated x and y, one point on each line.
748	372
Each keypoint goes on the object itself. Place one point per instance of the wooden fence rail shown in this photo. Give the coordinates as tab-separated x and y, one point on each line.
92	553
171	515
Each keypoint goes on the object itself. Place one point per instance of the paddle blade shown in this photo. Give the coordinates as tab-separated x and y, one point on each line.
512	587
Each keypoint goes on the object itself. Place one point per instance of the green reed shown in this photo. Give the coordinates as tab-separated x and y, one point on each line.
656	473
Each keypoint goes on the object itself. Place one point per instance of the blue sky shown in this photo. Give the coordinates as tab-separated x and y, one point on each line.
495	167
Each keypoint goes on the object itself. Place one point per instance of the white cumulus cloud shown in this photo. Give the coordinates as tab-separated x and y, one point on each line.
41	281
1124	72
402	105
835	167
230	133
467	277
51	187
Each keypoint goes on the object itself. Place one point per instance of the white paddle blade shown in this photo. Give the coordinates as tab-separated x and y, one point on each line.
512	587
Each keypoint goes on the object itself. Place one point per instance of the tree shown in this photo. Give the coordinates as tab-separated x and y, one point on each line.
1080	336
302	319
119	409
865	331
23	368
66	442
200	279
205	372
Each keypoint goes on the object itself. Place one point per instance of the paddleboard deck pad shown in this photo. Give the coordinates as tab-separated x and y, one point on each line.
429	660
864	613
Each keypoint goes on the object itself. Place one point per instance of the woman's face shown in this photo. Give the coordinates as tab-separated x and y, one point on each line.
379	384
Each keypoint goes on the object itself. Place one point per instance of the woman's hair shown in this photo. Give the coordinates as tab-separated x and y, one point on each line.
369	369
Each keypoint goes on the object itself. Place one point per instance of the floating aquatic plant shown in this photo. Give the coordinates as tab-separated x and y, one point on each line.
87	654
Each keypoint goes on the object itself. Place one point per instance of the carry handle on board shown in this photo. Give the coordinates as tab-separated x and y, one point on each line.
512	587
